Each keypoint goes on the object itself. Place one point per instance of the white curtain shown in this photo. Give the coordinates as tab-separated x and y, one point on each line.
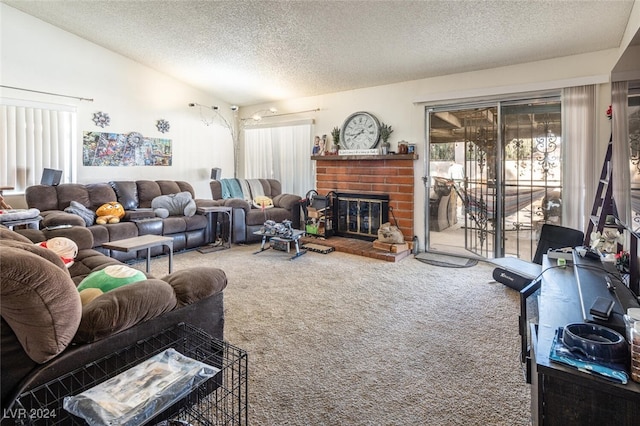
283	153
620	161
583	156
32	137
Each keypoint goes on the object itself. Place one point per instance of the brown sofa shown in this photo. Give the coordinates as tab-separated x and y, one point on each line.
140	219
247	218
47	333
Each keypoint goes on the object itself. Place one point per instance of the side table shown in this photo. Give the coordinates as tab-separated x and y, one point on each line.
33	223
212	233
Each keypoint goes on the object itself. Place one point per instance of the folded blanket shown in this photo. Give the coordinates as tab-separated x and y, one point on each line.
18	214
231	189
246	191
257	190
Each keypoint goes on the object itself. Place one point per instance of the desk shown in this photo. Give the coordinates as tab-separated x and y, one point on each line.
562	395
143	242
214	221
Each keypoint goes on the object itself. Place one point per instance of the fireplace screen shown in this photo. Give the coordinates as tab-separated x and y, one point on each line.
360	215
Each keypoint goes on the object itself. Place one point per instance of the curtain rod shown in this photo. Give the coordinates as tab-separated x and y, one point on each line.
286	113
47	93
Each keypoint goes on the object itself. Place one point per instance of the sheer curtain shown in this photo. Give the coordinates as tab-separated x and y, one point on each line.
281	152
34	136
620	161
582	155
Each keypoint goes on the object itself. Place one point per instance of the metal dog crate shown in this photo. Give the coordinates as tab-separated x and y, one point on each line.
221	400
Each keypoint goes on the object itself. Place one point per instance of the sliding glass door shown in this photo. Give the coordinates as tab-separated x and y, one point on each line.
494	176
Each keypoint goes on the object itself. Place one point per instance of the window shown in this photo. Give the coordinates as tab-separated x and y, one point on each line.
283	153
34	136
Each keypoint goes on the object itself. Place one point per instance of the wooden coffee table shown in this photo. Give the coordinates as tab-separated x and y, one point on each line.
143	242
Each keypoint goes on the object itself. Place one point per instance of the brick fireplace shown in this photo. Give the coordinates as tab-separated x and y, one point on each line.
390	175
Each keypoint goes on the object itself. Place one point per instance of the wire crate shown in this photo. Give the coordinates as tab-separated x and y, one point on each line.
221	400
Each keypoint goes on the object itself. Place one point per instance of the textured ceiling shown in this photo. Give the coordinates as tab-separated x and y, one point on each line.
248	52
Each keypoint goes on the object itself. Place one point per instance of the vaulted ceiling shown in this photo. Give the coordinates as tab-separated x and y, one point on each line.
249	52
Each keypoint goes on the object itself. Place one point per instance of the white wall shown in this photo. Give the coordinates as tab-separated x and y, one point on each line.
35	55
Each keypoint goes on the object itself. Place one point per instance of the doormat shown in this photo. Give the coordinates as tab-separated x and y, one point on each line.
446	261
317	248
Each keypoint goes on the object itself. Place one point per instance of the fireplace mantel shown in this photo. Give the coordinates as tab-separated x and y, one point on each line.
365	157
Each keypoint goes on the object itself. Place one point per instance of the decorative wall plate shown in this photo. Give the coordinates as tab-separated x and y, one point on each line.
135	138
163	126
101	119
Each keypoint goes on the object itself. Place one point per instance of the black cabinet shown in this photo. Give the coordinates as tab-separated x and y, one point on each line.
561	395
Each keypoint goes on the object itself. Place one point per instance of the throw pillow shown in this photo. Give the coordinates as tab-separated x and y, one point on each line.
78	209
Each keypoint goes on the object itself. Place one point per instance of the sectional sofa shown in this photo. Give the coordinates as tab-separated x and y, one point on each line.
137	198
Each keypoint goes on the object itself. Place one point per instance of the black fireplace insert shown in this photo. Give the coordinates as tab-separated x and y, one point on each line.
360	215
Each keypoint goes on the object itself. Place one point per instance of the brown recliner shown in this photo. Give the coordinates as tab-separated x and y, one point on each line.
247	218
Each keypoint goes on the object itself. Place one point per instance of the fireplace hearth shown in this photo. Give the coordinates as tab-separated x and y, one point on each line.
360	215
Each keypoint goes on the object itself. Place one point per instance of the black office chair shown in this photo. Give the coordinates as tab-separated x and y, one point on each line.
556	237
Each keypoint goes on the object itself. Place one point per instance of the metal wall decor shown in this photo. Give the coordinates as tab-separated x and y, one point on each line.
163	126
101	119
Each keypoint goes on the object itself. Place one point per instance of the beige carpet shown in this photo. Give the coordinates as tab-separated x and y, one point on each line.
338	339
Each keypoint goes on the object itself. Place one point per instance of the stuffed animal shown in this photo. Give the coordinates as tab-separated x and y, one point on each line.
390	234
63	247
107	279
263	202
180	204
109	213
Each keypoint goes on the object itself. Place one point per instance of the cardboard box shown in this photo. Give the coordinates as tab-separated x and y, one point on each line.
391	248
315	213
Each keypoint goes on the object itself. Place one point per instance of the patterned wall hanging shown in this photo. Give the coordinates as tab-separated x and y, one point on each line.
118	149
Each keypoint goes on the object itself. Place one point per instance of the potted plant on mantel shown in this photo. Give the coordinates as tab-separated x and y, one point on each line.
335	134
385	133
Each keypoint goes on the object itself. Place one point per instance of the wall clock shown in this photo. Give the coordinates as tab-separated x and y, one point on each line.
361	130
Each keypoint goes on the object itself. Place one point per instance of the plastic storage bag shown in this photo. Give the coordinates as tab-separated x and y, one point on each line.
140	393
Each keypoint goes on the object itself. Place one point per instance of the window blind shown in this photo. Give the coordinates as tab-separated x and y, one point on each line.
34	136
